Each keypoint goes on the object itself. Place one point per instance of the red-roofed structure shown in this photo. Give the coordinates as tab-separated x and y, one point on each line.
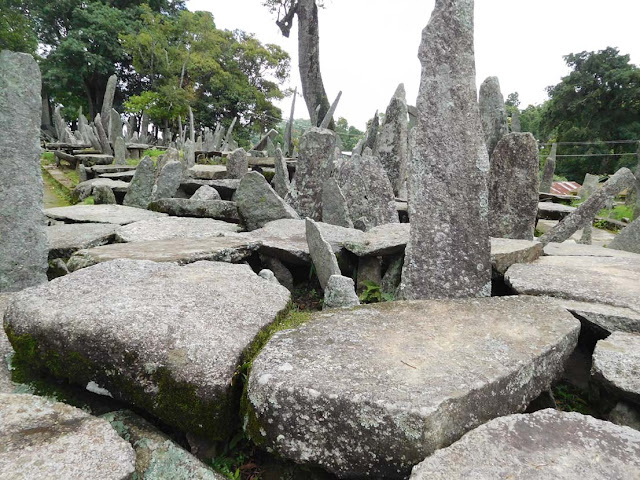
565	188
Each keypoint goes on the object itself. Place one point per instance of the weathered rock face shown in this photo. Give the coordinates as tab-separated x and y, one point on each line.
392	146
547	174
237	163
168	181
40	438
448	254
103	195
493	113
65	239
6	385
334	205
281	182
208	172
165	338
189	153
173	227
546	445
587	211
315	164
107	102
515	122
375	389
616	365
157	456
120	151
626	415
506	252
184	207
205	193
513	187
554	211
141	186
589	185
340	293
259	204
117	214
321	253
23	241
628	239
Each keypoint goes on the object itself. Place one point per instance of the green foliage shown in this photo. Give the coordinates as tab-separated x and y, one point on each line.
571	399
374	294
349	135
16	28
618	212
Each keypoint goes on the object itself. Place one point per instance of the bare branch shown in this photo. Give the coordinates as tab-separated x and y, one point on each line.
286	22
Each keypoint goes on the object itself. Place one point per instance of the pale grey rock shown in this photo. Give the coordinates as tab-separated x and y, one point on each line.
262	143
493	113
340	293
588	210
387	239
587	235
628	239
616	365
281	182
208	172
120	151
589	186
205	193
569	249
103	195
157	335
189	153
82	173
105	147
225	187
229	142
85	189
515	121
547	175
237	163
168	181
157	456
367	190
115	125
23	242
607	317
117	214
6	350
173	227
371	135
268	275
139	191
259	204
546	445
184	207
107	103
321	253
513	187
625	415
390	383
334	205
171	154
554	211
506	252
280	270
65	239
315	165
392	146
448	254
41	438
60	126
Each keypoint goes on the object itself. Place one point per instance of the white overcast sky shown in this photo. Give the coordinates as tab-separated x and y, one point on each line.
368	47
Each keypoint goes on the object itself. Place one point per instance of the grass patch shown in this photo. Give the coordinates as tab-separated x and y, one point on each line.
48	158
63	193
618	212
154	153
71	175
571	399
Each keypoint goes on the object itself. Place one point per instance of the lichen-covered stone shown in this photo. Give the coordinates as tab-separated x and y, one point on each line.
237	163
205	193
168	181
334	205
6	351
493	113
103	195
173	227
628	239
185	207
371	391
340	292
321	251
546	445
65	239
616	365
141	186
281	182
41	438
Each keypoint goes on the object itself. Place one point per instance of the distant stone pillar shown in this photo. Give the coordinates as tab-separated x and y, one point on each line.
493	113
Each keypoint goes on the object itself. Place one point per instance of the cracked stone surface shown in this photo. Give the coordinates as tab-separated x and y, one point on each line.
616	365
174	227
118	214
65	239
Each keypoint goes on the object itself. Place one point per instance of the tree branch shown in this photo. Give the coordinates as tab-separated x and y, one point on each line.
285	23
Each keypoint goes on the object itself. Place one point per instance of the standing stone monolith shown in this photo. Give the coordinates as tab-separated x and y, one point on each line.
589	185
237	163
115	125
281	182
448	254
189	153
107	102
334	205
168	181
228	138
392	146
139	191
23	241
372	134
513	187
515	121
102	136
321	252
120	150
547	174
493	113
288	132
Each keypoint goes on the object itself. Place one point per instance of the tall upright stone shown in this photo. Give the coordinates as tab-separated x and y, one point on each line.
107	102
547	174
448	253
334	205
493	113
372	134
120	151
332	110
23	241
281	182
144	128
168	181
392	147
237	163
513	187
515	121
115	126
288	132
140	188
589	186
636	207
102	136
228	139
189	153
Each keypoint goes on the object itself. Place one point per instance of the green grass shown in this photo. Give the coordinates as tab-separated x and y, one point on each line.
571	399
61	192
618	213
48	158
153	153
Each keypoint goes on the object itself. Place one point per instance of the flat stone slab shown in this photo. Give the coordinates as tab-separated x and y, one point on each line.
226	187
122	176
166	338
232	249
555	198
174	227
40	438
607	317
570	249
616	365
67	238
117	186
185	207
546	445
373	390
506	252
386	239
117	214
100	169
90	160
554	211
208	172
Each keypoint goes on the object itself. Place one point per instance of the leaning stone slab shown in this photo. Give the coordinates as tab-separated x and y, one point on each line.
375	389
168	181
616	365
117	214
321	251
185	207
41	438
334	205
141	186
493	113
173	227
23	242
545	445
208	172
628	239
65	239
232	249
166	338
157	456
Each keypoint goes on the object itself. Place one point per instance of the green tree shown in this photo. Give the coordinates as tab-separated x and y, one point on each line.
16	28
349	135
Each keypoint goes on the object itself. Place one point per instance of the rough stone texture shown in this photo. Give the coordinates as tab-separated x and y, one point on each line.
546	445
315	164
589	185
85	189
41	438
237	163
225	187
607	317
493	113
173	227
515	122
506	252
189	153
367	190
569	249
513	187
171	154
340	293
23	241
6	351
141	186
280	270
258	203
281	182
65	239
625	415
321	253
117	214
587	211
107	102
157	456
369	270
205	193
448	254
393	276
208	172
373	390
554	211
120	151
185	207
392	145
616	365
168	181
232	249
334	205
547	175
103	195
628	239
166	338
